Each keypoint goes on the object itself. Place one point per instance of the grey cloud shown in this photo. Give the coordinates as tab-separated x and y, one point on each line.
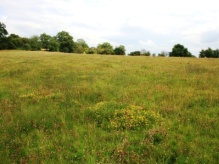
210	37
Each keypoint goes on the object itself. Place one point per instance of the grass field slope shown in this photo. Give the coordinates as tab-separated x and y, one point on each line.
70	108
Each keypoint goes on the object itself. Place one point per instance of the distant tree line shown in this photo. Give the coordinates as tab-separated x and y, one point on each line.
209	53
177	51
64	42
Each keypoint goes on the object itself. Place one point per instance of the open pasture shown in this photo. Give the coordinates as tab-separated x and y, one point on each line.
71	108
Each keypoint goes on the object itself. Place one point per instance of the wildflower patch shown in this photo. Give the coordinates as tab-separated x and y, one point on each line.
118	116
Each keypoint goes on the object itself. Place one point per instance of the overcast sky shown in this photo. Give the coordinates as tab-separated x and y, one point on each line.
138	24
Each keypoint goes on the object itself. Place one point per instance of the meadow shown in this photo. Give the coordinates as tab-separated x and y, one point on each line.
71	108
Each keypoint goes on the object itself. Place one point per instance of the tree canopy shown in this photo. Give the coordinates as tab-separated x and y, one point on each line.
209	53
135	53
105	48
180	51
49	43
3	31
66	41
80	46
119	50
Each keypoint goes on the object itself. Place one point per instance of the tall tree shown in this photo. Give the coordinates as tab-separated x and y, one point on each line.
35	43
3	39
53	44
45	39
180	51
3	31
66	41
49	43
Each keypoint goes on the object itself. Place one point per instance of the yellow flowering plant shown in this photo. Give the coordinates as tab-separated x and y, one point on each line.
113	115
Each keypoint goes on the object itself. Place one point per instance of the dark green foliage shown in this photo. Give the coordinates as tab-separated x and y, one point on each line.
53	44
119	50
27	46
45	40
15	42
135	53
180	51
3	39
4	43
35	43
3	31
66	41
49	43
216	53
209	53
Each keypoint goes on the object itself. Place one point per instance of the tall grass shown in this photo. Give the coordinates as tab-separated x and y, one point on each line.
70	108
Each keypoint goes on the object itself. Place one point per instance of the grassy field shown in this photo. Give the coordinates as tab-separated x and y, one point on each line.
69	108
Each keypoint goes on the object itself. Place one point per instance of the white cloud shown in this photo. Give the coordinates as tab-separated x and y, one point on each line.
148	43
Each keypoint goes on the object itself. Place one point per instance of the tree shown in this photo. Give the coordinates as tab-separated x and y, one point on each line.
26	44
202	54
45	40
119	50
216	53
3	31
153	55
180	51
15	42
66	41
53	44
82	43
91	50
135	53
35	43
145	53
209	53
105	48
80	46
3	39
49	43
163	54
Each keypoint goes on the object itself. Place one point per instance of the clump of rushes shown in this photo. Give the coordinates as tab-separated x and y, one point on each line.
118	116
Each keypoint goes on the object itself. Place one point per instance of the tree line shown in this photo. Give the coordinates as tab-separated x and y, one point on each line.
64	42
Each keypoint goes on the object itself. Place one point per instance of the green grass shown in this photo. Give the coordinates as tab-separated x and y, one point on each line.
70	108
